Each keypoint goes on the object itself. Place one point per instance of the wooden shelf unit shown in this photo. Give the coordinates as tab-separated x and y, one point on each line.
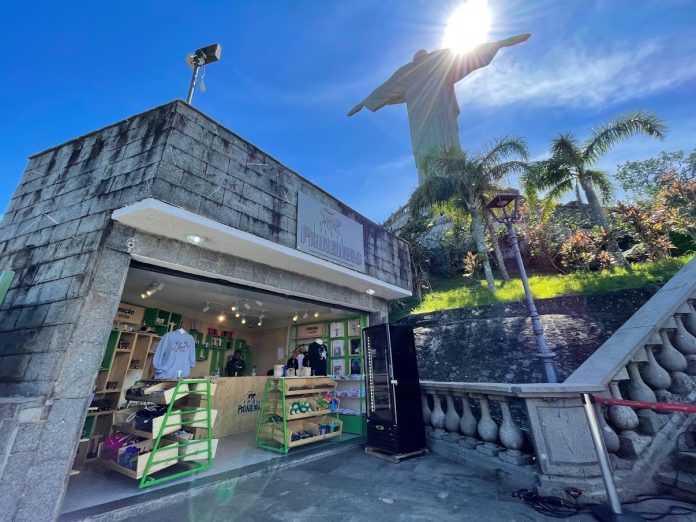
277	425
122	349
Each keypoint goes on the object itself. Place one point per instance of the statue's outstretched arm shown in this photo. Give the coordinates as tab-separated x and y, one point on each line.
356	109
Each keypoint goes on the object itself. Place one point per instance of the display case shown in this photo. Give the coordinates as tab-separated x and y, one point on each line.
394	417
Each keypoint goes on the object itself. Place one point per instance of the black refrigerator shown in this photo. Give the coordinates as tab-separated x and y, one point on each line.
394	414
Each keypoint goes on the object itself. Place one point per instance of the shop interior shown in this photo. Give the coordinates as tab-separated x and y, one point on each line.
264	327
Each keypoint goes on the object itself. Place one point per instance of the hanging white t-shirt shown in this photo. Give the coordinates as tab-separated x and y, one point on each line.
175	355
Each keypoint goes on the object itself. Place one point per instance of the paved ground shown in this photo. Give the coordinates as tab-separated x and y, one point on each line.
354	487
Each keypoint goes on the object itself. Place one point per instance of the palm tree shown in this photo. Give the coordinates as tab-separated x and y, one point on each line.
571	163
464	179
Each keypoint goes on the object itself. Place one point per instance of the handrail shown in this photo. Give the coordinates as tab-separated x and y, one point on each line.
513	390
617	351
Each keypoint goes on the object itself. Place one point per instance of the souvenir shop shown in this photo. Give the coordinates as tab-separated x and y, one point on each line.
190	370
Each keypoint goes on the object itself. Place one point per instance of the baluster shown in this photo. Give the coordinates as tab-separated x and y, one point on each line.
611	439
656	376
487	429
511	437
639	391
451	418
437	417
468	424
426	409
626	421
675	363
690	318
686	344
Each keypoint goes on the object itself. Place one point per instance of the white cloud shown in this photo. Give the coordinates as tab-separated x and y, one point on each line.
590	77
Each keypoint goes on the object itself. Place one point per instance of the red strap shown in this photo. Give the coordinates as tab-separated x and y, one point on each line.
660	406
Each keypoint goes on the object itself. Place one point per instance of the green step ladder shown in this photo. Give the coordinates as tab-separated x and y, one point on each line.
197	466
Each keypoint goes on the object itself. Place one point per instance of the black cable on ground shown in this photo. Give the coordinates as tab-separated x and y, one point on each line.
556	507
550	506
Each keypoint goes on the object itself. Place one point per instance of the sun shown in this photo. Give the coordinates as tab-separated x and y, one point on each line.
468	26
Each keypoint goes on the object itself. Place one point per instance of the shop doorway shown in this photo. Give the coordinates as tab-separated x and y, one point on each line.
264	327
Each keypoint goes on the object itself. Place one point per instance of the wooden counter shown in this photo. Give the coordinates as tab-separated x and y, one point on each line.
238	402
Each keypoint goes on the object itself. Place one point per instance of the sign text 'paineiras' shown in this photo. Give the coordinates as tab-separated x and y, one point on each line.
326	233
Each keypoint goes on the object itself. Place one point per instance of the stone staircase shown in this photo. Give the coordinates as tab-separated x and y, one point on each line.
678	478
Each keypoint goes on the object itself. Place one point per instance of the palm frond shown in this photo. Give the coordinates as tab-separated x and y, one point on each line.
619	129
509	167
602	182
500	150
565	150
559	190
435	189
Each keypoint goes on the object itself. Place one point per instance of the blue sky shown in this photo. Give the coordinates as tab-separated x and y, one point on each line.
291	70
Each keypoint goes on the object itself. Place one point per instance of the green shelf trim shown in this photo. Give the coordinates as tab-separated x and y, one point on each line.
197	467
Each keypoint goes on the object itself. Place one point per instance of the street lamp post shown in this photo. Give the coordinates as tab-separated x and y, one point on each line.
501	203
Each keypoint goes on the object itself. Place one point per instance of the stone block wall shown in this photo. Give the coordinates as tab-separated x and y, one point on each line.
209	170
496	344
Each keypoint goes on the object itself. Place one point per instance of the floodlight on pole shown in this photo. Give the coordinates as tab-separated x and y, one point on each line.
501	210
200	58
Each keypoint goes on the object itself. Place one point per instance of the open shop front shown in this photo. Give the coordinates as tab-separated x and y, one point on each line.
143	430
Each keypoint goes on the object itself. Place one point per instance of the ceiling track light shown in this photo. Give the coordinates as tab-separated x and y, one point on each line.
305	315
237	314
243	320
233	307
295	318
316	314
222	318
206	307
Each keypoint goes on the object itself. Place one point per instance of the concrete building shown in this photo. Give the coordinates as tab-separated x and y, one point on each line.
135	190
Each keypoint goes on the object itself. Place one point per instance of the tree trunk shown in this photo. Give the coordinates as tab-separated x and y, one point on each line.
496	246
600	218
583	209
477	231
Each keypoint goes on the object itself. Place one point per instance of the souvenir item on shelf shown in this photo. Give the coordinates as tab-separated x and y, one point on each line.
336	329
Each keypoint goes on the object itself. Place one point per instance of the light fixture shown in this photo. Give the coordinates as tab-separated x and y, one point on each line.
233	307
258	303
221	317
151	289
316	314
305	315
206	307
259	323
370	291
246	305
196	240
200	58
295	318
237	314
243	320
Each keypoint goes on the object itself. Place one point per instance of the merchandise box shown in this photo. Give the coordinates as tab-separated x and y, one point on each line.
166	456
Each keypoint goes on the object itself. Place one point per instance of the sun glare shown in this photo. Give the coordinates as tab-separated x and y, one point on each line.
468	26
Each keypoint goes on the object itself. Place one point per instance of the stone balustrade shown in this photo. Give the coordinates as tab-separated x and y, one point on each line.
496	420
651	358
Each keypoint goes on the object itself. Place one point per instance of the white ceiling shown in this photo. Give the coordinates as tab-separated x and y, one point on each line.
189	296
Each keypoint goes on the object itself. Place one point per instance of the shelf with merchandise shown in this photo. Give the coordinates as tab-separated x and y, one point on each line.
297	411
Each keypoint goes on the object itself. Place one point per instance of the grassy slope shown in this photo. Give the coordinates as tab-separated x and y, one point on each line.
456	293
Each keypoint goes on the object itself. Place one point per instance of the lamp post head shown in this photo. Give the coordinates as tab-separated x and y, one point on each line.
501	209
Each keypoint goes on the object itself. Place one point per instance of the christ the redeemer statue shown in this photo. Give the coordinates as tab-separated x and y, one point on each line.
427	86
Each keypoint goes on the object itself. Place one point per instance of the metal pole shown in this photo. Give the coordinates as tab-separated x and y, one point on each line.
192	85
545	354
601	450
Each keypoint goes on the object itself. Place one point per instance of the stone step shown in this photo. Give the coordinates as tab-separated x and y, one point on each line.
686	461
679	483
